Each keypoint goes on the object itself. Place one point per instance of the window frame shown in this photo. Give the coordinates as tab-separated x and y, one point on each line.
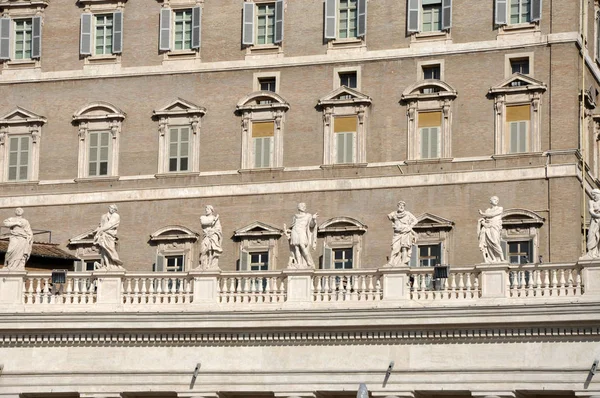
93	8
254	238
258	76
341	233
175	241
432	230
520	225
508	58
251	45
347	69
167	47
15	21
98	161
331	32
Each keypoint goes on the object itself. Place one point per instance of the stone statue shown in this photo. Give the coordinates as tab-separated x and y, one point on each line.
404	238
593	235
105	237
210	247
20	242
302	236
489	230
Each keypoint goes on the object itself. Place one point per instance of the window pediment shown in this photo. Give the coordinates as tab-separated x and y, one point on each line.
262	101
518	83
180	107
440	90
521	217
97	111
342	224
432	221
21	116
86	238
257	229
173	233
10	4
344	96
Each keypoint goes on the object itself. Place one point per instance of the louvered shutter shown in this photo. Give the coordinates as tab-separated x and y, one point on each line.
530	258
85	37
117	39
536	10
248	28
5	24
330	19
244	255
327	256
598	37
500	11
159	266
504	247
362	18
414	256
196	27
446	14
36	38
78	266
165	29
413	16
278	22
442	257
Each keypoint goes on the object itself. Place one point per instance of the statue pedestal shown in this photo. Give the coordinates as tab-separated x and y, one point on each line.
205	286
299	285
11	286
494	280
590	276
110	286
395	283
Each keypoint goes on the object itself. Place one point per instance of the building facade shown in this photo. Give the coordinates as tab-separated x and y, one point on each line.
163	107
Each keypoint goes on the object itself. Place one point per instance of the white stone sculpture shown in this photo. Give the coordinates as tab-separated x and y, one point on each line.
20	242
210	247
404	238
105	237
593	235
302	236
489	232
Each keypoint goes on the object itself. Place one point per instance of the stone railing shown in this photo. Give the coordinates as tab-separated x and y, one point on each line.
220	290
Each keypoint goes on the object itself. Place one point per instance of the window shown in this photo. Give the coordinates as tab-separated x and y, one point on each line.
85	250
23	38
520	65
431	72
20	38
433	234
179	137
19	145
520	11
182	38
429	112
262	23
430	255
90	265
516	12
342	243
429	16
174	263
263	120
519	252
345	19
101	34
520	235
99	127
344	127
175	248
180	29
348	79
258	246
265	23
517	103
268	84
432	16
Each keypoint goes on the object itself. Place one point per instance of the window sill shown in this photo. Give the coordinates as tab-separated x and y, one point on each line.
181	55
261	170
353	44
517	155
97	179
178	174
103	59
22	64
522	28
429	161
342	165
264	50
25	182
442	36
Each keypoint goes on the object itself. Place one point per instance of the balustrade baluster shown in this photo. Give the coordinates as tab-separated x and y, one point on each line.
476	291
364	293
468	286
28	288
318	289
554	283
562	281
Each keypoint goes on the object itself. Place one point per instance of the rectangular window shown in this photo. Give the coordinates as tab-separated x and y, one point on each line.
23	38
432	72
89	264
259	261
344	128
519	252
520	11
520	65
348	79
179	148
104	34
342	258
432	16
430	126
18	158
267	84
183	29
517	120
174	263
262	143
430	255
347	19
265	23
99	148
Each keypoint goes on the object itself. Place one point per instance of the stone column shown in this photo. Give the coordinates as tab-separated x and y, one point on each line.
205	286
395	284
494	280
11	286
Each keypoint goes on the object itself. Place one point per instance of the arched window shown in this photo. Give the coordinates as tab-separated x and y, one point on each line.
520	235
175	248
342	243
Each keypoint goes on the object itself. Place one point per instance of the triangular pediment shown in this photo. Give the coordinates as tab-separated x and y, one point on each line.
519	81
22	115
344	93
257	228
180	106
428	220
84	238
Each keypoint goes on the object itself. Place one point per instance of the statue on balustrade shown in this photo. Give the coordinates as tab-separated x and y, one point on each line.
302	235
20	242
593	236
489	232
105	237
210	247
404	237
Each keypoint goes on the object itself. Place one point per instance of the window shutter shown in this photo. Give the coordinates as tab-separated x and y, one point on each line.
244	255
504	246
536	10
5	24
362	18
446	14
196	24
159	266
117	39
500	12
434	137
330	19
413	16
165	29
36	38
598	37
78	266
327	256
278	22
414	256
530	258
85	38
442	257
248	28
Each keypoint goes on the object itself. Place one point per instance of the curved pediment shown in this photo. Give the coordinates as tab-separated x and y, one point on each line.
99	110
428	89
21	116
173	232
342	224
262	100
521	217
180	107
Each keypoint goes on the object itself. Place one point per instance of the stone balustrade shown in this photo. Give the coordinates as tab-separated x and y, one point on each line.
220	290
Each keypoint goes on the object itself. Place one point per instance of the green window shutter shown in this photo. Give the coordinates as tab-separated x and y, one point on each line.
362	18
278	22
514	137
159	265
414	256
85	37
248	28
117	39
36	38
327	258
425	143
330	19
413	16
446	14
165	29
5	27
500	11
522	136
434	139
536	10
196	27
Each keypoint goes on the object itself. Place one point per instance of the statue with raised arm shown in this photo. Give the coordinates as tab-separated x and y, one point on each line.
593	235
489	232
105	237
210	247
404	238
20	242
302	236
